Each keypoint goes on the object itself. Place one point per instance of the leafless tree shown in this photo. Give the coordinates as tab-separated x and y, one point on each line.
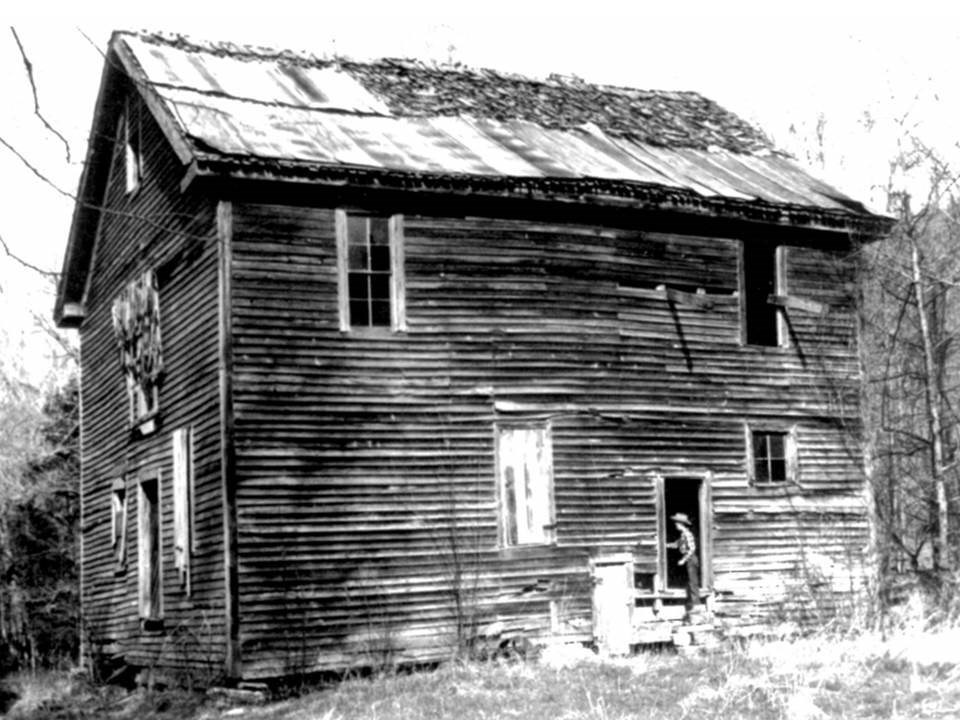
911	321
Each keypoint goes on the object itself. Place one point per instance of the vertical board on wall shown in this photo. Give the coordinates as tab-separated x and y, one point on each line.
613	600
660	581
182	442
398	285
706	533
118	524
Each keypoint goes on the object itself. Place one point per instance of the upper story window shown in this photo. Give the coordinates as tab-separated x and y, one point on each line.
762	278
771	456
370	269
525	483
132	152
136	326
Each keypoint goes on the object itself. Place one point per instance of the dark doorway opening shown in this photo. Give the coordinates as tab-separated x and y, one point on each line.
681	495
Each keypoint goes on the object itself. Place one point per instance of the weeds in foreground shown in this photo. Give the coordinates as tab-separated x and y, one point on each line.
71	696
914	673
814	678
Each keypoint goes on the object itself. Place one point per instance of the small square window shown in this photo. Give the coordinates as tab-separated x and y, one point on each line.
370	267
771	456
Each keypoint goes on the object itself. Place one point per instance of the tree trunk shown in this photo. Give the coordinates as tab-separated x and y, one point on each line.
933	400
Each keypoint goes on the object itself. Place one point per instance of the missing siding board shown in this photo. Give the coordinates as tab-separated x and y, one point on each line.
525	485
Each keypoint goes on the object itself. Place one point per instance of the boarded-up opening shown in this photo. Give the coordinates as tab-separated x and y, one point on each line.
525	470
136	325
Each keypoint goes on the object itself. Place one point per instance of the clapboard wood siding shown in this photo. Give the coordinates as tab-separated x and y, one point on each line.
357	493
366	491
156	227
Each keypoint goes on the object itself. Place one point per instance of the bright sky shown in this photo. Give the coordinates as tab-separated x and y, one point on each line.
862	68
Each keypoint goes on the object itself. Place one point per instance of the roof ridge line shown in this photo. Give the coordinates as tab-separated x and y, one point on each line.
306	57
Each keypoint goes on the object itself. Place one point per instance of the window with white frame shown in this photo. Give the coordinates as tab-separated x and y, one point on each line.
762	280
370	271
771	456
525	484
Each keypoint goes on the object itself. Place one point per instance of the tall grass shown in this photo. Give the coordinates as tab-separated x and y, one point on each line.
912	670
824	676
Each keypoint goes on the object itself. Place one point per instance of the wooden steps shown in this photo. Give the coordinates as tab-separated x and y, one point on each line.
698	632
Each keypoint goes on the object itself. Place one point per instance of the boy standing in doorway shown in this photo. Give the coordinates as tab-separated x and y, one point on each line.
687	545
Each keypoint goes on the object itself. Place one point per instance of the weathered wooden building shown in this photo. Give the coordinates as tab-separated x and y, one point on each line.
378	355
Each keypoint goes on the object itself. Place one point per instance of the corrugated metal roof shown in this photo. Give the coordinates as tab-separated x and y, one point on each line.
283	108
238	113
475	146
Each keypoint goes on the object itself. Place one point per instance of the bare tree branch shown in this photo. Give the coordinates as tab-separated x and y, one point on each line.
33	87
34	170
111	211
24	263
68	349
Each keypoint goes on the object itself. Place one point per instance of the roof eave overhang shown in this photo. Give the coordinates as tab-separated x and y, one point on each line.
211	171
68	307
68	311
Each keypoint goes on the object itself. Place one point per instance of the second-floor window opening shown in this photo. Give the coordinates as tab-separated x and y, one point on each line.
368	265
370	259
136	326
762	278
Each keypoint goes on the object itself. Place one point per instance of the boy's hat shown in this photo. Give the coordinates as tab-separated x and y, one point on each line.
681	518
